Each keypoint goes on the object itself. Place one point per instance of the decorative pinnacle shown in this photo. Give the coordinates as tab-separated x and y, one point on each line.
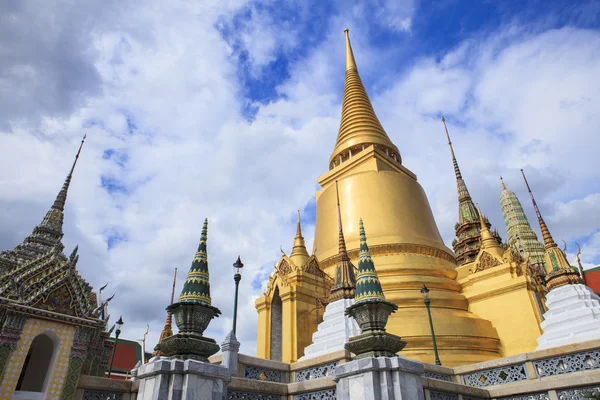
463	192
298	227
548	241
502	182
368	287
61	199
345	282
350	63
487	239
299	254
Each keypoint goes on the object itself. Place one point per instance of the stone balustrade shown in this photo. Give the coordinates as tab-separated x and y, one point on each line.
561	373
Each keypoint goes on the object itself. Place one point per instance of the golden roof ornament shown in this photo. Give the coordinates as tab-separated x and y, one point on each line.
345	281
299	255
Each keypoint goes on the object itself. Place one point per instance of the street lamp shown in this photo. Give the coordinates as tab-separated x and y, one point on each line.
425	293
237	277
118	324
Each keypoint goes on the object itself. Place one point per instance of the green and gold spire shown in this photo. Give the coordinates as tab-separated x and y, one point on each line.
196	288
368	287
466	245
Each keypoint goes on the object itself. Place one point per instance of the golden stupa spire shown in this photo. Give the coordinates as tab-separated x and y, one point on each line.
359	125
345	281
299	254
488	242
548	241
168	329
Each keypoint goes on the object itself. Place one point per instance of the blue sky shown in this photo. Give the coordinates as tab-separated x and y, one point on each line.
229	110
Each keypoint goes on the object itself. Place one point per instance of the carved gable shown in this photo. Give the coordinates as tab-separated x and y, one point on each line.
485	261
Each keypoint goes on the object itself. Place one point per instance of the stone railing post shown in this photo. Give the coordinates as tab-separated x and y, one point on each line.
231	349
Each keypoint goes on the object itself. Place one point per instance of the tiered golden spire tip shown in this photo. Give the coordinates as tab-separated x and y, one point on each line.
359	125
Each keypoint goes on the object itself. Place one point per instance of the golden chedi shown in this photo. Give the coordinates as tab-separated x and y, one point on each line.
405	243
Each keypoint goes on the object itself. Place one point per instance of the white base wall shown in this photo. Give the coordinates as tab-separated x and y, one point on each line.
335	330
573	316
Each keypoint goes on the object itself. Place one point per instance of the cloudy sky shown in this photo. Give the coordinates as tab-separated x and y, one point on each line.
229	109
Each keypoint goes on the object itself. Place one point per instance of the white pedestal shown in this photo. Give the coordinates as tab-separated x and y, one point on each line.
381	378
334	331
573	316
165	379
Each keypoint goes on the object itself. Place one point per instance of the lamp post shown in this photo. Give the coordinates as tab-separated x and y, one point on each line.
425	293
237	277
119	324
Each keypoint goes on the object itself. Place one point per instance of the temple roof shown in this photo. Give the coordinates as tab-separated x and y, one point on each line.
359	123
37	274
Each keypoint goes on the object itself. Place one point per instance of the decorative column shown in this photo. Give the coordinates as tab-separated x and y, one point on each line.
377	373
79	351
184	372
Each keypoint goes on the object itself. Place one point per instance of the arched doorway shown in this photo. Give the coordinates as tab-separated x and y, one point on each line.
276	326
37	366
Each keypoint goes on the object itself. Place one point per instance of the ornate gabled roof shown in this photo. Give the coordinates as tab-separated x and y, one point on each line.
51	282
345	282
368	287
520	234
466	245
196	288
47	234
359	124
560	272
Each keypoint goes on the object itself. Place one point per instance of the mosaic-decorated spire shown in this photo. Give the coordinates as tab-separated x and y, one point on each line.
559	271
196	288
368	287
520	234
359	124
48	233
345	282
466	245
548	241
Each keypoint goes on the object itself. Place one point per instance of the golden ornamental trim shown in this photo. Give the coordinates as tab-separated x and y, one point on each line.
393	249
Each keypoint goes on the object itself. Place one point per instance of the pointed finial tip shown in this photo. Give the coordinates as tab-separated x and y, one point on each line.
346	31
443	119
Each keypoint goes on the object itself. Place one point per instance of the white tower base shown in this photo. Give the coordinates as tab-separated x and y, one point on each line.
573	316
335	330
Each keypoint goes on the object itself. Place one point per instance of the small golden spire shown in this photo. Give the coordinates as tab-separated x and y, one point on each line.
168	329
548	241
350	63
579	266
488	242
299	254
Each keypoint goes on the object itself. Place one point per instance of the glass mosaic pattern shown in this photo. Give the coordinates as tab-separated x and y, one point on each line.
234	395
101	395
578	393
328	394
531	396
583	361
320	371
496	376
435	375
442	395
262	374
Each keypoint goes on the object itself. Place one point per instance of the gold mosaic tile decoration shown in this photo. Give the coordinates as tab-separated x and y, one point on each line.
32	328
